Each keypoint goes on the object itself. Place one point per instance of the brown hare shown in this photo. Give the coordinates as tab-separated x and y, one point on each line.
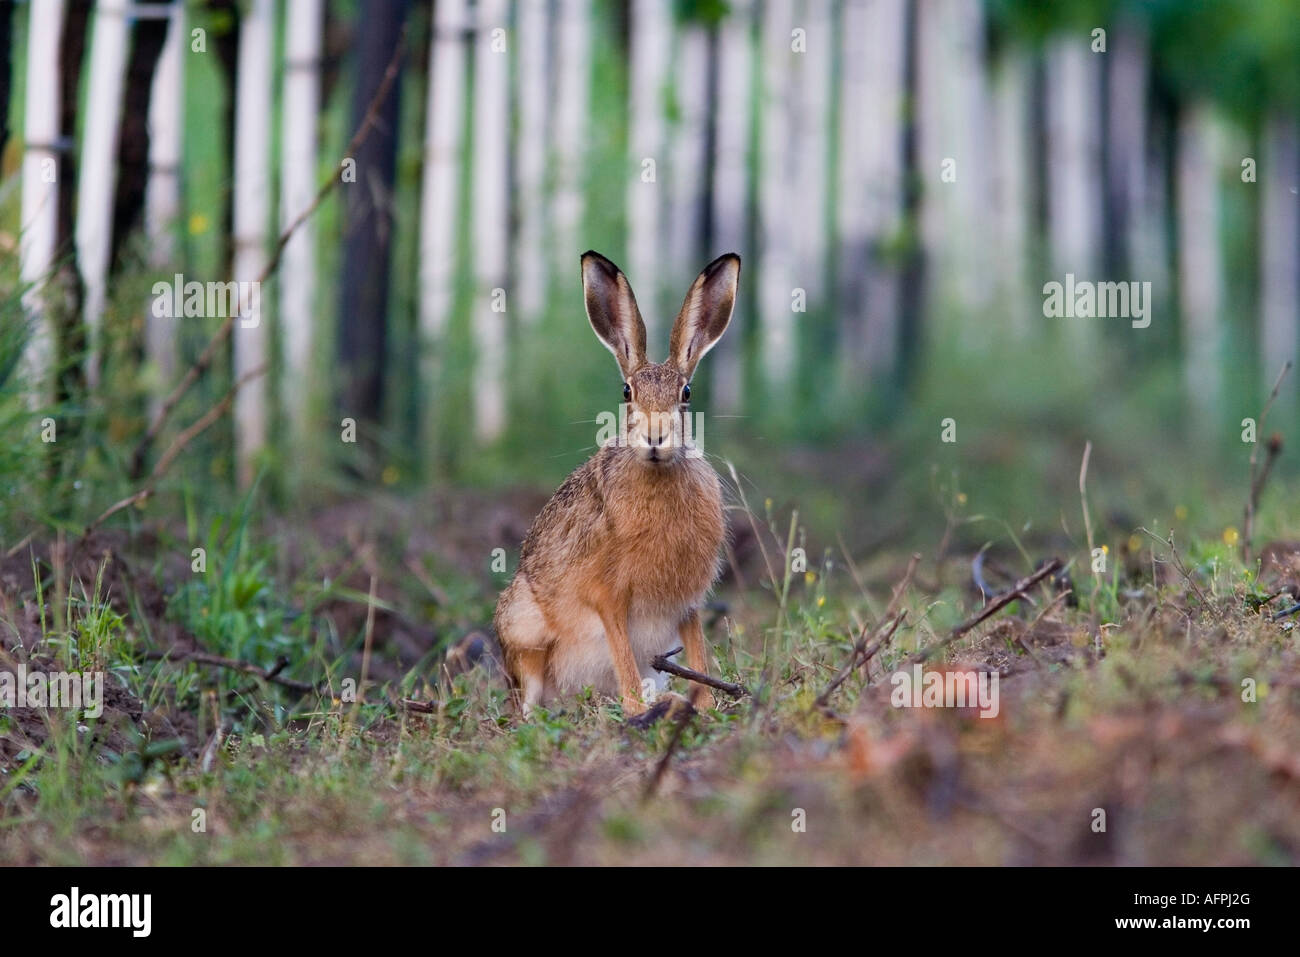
617	564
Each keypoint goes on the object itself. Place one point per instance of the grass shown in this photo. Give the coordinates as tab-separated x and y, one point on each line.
1130	701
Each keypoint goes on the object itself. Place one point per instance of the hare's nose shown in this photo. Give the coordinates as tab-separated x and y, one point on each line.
655	438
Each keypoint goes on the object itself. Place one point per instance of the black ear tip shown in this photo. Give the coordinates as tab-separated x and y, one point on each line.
725	259
596	259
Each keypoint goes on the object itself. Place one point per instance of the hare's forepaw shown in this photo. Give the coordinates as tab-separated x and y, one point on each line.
702	698
667	705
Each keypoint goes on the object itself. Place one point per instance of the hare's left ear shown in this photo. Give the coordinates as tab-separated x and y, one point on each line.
705	313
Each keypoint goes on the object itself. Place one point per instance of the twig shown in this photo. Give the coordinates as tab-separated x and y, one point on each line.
680	729
178	444
758	536
861	655
420	707
436	591
280	664
1286	612
661	663
203	658
209	352
1257	481
19	547
986	590
992	608
1083	495
861	652
1020	639
1178	563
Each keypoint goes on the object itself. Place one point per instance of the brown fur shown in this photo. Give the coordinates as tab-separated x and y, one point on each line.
618	562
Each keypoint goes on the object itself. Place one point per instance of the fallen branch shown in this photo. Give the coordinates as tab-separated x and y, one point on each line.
661	663
1257	480
244	667
209	353
1018	590
1286	612
419	707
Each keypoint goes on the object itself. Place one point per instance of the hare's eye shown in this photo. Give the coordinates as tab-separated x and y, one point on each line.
686	392
627	392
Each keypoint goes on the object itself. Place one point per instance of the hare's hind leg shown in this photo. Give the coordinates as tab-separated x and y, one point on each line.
697	658
530	668
521	629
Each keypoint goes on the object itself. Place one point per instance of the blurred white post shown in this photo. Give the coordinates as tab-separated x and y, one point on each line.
732	122
163	192
809	145
440	190
870	186
572	104
688	156
252	212
1126	134
1135	169
94	227
935	149
1200	261
532	252
953	106
490	222
1009	198
1278	171
40	203
651	37
775	211
1074	193
303	29
973	107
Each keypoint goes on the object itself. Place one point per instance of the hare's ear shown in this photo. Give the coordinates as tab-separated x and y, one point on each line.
705	313
612	311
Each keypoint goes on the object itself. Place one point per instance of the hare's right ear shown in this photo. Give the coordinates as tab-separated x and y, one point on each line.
612	311
705	313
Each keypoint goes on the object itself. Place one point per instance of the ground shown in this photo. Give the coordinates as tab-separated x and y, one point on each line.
1149	714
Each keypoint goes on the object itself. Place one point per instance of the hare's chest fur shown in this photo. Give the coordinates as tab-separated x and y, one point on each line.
667	541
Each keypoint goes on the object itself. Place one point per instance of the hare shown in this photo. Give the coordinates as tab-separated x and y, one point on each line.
616	566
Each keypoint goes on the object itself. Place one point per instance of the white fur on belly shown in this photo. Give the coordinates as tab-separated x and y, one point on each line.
587	661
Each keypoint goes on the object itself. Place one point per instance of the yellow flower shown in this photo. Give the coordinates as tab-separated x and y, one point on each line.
198	224
821	600
1230	536
389	475
961	498
809	577
1180	513
1134	543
